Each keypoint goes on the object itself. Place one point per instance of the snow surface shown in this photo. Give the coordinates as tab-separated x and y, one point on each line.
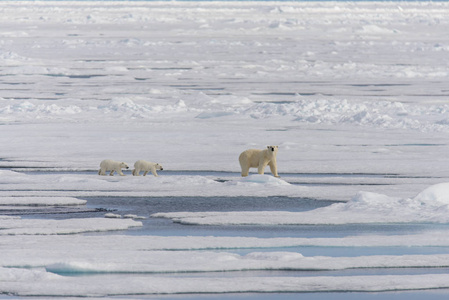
353	93
430	206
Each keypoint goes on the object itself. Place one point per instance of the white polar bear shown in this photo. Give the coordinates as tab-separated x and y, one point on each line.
113	166
146	166
255	158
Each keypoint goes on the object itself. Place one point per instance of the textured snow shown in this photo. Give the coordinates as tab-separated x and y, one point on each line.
353	88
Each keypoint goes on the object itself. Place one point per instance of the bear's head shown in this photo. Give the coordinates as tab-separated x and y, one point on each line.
272	149
123	165
159	167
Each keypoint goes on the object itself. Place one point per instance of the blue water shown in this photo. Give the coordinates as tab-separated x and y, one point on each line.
146	206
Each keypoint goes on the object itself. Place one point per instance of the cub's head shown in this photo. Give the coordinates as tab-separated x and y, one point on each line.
273	149
159	167
123	165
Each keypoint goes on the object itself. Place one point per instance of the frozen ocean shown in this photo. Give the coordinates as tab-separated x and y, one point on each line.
354	94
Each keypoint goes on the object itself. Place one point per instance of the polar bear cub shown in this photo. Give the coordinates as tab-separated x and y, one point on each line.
255	158
146	166
113	166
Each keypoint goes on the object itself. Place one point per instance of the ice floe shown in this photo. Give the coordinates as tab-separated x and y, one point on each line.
43	283
40	201
90	184
18	226
430	206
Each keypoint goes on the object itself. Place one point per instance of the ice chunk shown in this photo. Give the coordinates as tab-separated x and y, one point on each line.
135	217
112	216
263	179
435	195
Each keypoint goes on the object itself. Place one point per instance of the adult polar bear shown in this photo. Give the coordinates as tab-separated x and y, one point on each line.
113	166
146	166
255	158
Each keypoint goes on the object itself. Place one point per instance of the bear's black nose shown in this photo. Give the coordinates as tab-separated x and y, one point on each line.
127	167
162	169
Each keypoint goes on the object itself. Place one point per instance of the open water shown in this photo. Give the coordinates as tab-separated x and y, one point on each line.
145	206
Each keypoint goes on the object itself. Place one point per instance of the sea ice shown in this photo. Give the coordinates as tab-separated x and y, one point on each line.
42	283
40	201
342	87
430	206
18	226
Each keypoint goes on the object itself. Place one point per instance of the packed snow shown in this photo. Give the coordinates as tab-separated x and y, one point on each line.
353	93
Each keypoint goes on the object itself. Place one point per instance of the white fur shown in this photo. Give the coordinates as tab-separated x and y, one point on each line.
255	158
146	166
113	166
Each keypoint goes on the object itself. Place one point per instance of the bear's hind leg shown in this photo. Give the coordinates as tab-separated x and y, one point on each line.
145	173
112	173
245	170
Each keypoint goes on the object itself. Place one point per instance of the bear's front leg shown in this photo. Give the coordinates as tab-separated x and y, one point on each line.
121	173
153	171
261	168
274	169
